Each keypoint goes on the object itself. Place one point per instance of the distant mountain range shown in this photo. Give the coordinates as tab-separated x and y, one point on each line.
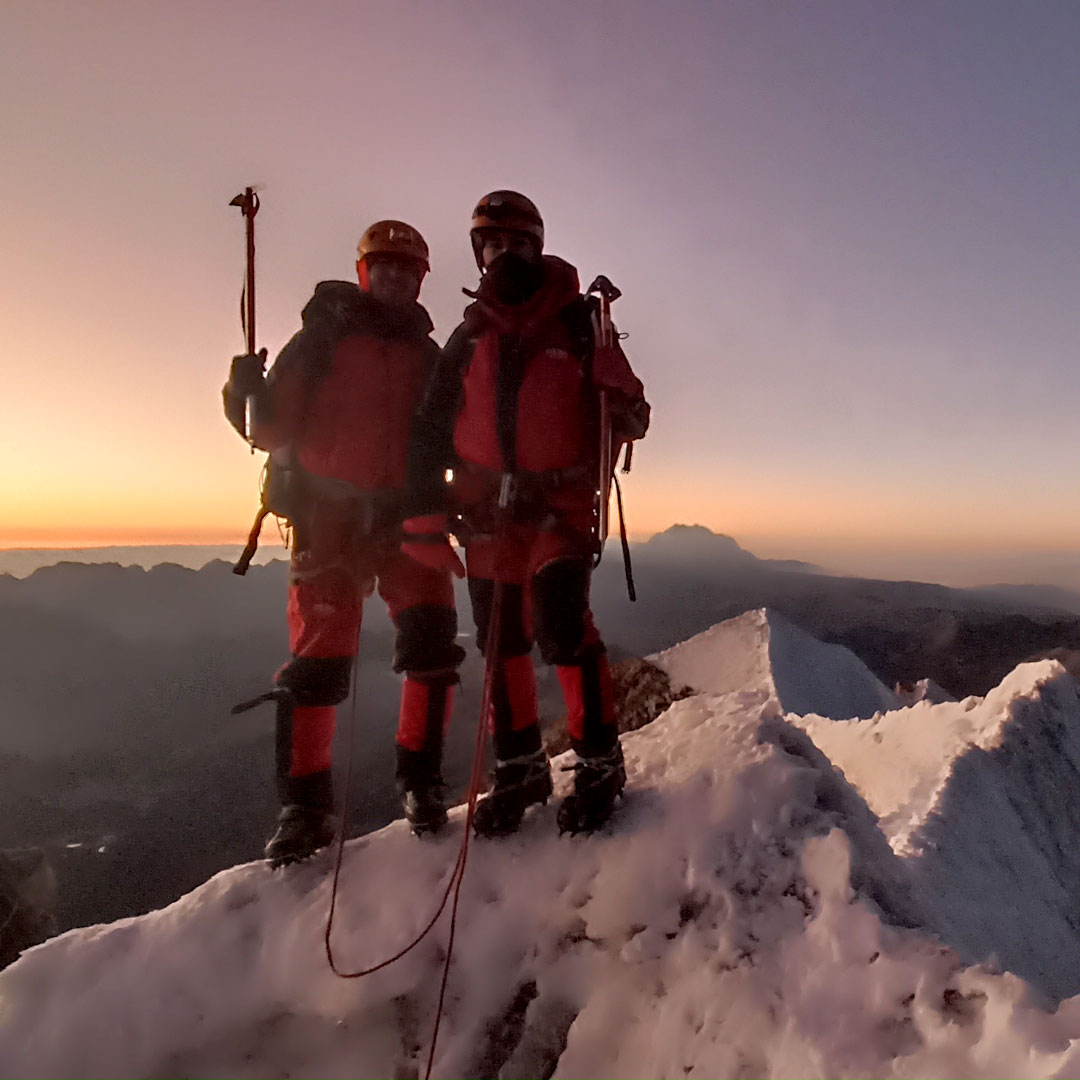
1045	596
697	545
116	684
965	640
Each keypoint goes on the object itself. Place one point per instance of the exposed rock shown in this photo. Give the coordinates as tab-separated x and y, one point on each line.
27	901
642	692
911	693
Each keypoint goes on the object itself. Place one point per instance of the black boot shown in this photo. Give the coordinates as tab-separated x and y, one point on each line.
306	822
598	781
519	782
422	790
302	830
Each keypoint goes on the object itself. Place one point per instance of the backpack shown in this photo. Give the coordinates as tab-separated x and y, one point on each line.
282	493
337	309
283	488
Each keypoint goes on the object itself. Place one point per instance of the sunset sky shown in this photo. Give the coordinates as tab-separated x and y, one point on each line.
847	234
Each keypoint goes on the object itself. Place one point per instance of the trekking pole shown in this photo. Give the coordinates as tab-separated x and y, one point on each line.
605	336
249	207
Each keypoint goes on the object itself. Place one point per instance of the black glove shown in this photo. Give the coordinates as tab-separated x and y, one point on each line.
246	373
629	416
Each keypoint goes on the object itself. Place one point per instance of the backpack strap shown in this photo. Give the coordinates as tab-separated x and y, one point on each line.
578	317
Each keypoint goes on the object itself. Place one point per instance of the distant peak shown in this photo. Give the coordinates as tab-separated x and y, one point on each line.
697	541
762	654
680	531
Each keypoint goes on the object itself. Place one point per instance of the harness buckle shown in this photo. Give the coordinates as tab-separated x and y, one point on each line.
508	486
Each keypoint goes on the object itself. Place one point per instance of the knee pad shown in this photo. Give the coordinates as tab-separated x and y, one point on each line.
513	640
560	609
316	680
426	639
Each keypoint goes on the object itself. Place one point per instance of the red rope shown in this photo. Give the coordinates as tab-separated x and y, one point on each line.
457	875
491	648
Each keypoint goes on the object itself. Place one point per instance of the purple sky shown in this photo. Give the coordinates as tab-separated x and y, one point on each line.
847	235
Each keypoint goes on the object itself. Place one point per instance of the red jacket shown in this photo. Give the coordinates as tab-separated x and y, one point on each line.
344	390
516	389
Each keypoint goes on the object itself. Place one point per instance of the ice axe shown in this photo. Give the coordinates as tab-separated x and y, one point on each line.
248	202
605	338
609	293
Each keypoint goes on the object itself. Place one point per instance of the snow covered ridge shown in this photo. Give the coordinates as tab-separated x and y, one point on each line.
981	798
761	654
747	912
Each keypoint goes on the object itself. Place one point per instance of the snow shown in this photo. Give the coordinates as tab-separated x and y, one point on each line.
761	654
982	795
779	895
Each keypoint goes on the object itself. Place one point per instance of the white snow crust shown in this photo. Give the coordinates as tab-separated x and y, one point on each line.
763	656
778	896
982	795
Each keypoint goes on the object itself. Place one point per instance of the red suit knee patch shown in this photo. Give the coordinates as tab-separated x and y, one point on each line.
589	694
424	715
312	738
521	694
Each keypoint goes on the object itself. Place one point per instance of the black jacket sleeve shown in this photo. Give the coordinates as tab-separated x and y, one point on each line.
304	358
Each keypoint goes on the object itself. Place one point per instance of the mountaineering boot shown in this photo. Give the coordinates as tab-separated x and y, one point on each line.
598	781
422	790
306	822
301	831
519	782
425	807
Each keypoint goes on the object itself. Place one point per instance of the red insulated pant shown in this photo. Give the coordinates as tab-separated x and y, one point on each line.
546	577
333	570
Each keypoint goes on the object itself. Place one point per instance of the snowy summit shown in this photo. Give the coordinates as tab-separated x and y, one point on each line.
803	880
760	654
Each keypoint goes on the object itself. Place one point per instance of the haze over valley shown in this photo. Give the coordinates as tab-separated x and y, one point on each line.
119	755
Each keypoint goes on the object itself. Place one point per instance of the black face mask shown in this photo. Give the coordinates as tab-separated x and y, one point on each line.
514	279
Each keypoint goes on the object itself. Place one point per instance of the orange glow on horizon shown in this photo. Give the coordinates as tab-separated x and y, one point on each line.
766	516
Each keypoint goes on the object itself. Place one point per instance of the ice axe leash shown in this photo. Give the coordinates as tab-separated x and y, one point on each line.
453	885
605	336
248	202
631	591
